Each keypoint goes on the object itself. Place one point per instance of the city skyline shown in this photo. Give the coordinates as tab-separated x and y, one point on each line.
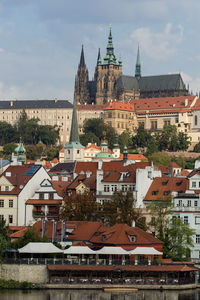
40	42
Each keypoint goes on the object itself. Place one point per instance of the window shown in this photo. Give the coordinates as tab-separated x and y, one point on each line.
166	122
189	203
197	238
1	203
1	218
197	220
10	219
185	219
166	193
154	193
195	120
193	184
196	203
132	238
153	221
7	188
106	188
179	202
50	196
154	124
78	151
41	196
10	203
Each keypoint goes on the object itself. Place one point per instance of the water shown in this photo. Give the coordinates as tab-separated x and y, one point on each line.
98	295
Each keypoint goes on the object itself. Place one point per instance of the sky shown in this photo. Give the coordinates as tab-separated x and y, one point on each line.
40	42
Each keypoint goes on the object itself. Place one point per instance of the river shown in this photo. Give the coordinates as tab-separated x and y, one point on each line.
98	295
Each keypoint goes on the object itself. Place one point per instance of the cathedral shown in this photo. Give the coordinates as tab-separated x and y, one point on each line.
109	83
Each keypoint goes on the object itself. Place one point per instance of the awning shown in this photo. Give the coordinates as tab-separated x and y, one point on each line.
40	248
145	251
79	250
112	251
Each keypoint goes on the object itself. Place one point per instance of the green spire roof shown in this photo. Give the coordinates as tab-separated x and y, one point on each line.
110	58
138	65
99	58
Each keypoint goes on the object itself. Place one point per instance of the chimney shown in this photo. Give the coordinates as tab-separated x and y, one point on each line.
55	100
186	102
11	103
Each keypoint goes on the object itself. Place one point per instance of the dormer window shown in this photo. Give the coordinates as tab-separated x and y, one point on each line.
154	193
7	188
132	238
104	238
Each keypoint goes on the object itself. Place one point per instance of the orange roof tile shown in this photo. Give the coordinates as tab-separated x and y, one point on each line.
162	187
117	105
89	107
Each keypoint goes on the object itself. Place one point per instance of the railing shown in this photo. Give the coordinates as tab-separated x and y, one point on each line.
75	261
124	281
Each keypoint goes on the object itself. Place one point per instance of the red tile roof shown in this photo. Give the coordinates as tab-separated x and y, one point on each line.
117	105
119	235
162	187
164	104
137	157
82	178
44	202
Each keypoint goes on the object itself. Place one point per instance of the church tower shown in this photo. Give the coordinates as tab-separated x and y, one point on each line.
81	89
74	150
107	73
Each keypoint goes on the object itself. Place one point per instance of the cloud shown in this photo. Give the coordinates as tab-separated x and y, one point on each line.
159	46
193	82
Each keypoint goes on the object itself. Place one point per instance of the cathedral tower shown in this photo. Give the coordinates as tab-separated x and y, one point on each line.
81	89
107	73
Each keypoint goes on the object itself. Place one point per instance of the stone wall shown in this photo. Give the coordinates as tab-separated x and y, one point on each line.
30	273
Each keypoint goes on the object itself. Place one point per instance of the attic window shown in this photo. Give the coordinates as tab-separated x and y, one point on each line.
179	183
165	182
132	238
104	238
155	193
166	193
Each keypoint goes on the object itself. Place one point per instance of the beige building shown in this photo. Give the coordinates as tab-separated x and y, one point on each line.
88	111
120	116
182	111
49	112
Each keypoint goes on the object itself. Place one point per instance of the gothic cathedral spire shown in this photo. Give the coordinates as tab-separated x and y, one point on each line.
81	89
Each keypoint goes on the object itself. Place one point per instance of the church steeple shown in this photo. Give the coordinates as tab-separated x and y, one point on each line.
81	89
74	136
82	59
99	57
138	65
110	56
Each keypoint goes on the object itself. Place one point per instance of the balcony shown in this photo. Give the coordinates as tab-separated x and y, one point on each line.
38	213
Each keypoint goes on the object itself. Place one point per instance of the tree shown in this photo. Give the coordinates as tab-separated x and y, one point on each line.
160	158
152	146
30	235
159	211
141	138
4	238
48	134
9	148
183	141
82	207
125	139
7	133
101	130
176	235
178	241
121	209
89	137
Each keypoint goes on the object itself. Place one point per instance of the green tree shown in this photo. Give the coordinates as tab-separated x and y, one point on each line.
141	138
197	148
7	133
152	146
121	209
159	211
4	238
82	207
159	158
31	235
89	137
9	148
48	134
178	241
125	139
101	130
183	141
167	138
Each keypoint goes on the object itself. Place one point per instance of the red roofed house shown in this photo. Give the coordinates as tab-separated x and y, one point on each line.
182	111
17	185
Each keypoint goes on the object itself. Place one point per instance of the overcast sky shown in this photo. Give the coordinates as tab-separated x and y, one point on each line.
40	41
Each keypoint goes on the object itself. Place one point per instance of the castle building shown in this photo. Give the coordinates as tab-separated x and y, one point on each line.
110	83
